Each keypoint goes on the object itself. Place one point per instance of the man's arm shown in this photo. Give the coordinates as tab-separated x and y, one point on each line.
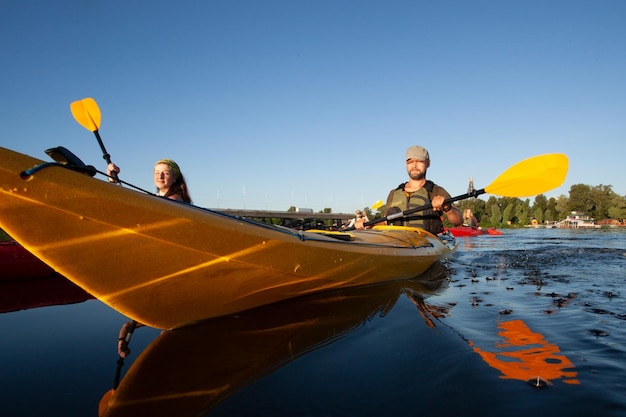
454	215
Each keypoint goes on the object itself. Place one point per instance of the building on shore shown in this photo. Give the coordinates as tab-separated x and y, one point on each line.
577	220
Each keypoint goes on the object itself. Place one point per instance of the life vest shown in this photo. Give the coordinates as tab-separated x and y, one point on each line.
400	201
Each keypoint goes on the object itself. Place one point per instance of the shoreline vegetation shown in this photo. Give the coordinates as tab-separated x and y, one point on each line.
600	203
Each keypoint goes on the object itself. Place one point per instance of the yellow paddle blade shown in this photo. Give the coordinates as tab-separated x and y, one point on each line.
87	113
531	177
377	205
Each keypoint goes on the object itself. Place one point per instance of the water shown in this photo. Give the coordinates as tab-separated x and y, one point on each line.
532	322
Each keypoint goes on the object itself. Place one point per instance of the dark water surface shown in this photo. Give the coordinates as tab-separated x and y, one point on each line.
531	323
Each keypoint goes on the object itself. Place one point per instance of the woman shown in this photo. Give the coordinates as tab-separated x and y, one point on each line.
168	179
469	219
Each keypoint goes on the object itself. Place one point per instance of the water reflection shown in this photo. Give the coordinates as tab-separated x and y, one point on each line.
527	356
188	371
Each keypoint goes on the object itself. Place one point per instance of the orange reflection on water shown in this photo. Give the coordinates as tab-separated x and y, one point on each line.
537	359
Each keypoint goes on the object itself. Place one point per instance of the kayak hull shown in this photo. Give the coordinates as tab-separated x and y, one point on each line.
167	264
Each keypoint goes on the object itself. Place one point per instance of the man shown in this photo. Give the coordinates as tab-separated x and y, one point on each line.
417	192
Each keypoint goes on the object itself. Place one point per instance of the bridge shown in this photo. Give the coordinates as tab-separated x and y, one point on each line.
297	215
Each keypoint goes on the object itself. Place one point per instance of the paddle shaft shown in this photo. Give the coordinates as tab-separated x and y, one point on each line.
404	213
105	154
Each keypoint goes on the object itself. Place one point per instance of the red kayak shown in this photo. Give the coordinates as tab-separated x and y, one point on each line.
26	293
17	262
461	231
26	282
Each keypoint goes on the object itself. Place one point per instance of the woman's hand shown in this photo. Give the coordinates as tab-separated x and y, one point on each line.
112	168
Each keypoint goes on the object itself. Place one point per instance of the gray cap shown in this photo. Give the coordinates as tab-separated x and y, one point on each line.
417	152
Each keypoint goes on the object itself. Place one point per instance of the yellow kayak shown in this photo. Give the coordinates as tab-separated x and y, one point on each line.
168	264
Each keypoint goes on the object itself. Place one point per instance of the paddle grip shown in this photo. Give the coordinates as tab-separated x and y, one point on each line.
105	154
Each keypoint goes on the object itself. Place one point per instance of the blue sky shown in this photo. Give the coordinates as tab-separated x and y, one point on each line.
269	104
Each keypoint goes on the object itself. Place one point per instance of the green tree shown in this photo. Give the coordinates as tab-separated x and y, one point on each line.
601	196
538	214
617	209
548	216
541	202
522	213
581	199
595	201
562	207
551	212
496	213
506	214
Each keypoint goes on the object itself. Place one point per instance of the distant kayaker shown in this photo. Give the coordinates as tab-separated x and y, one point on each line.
469	219
359	217
419	191
168	179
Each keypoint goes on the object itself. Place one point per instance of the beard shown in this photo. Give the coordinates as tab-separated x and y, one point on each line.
416	174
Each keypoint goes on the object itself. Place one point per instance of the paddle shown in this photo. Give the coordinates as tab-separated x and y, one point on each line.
87	113
529	177
377	205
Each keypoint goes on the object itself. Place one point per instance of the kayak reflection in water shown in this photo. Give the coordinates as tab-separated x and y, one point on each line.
429	312
527	356
523	354
222	355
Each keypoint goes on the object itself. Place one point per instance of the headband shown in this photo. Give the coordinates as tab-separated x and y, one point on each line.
173	166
